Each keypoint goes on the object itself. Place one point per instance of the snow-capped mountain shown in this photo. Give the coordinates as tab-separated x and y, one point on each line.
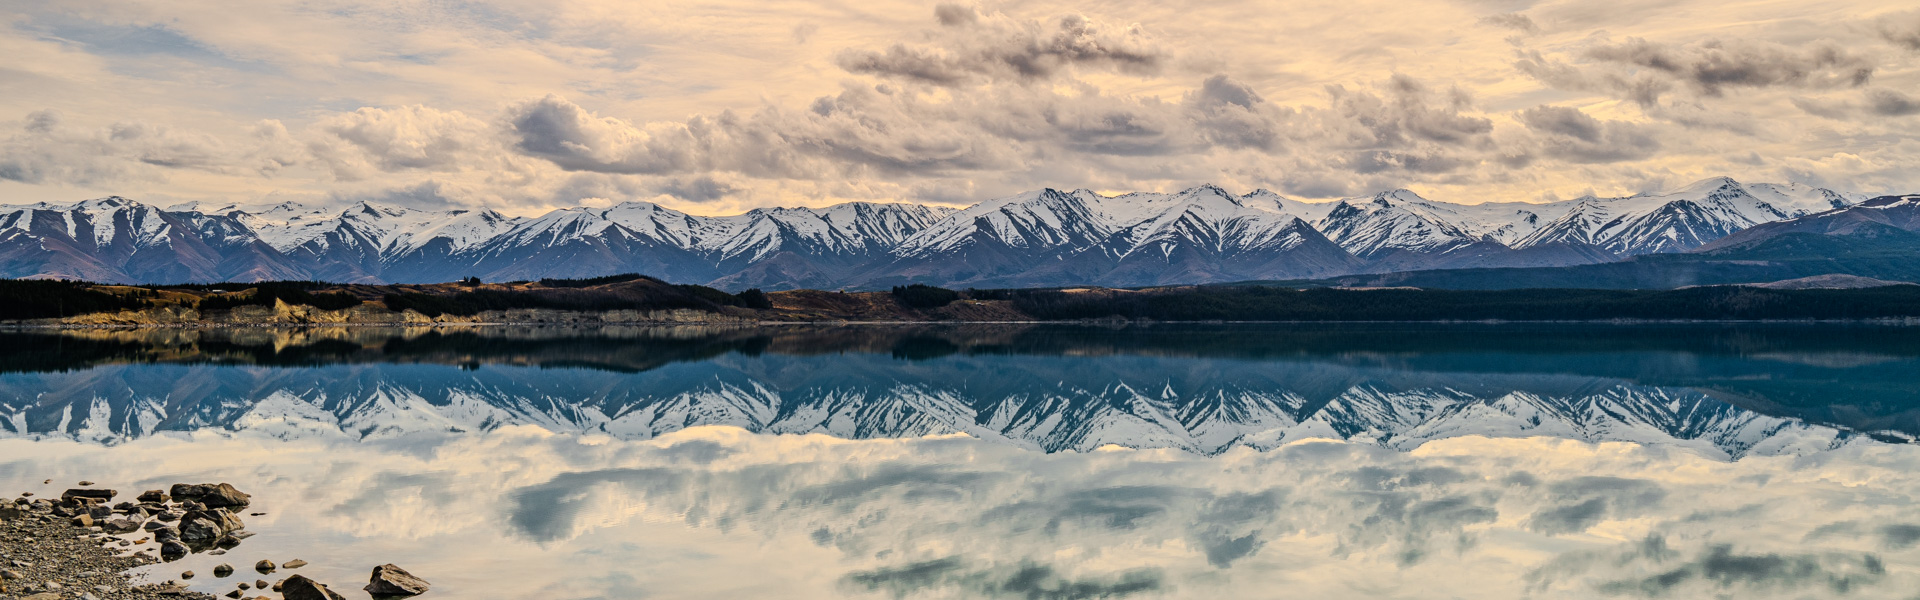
1042	238
1043	403
1682	219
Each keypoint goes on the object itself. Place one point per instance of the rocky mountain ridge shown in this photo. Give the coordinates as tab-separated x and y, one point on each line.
1041	238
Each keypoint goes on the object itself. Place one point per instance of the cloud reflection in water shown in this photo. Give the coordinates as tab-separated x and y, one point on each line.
717	511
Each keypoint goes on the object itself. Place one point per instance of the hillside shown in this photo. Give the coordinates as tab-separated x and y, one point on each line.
639	299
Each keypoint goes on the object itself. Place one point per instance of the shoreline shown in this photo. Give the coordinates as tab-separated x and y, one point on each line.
86	546
1888	321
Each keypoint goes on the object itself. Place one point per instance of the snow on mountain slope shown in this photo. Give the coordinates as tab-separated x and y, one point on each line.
1681	219
1397	220
1045	237
106	405
462	229
1035	221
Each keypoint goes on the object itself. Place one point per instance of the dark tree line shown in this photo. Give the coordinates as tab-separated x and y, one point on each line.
1259	303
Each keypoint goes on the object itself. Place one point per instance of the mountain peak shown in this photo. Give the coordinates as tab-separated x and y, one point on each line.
1707	185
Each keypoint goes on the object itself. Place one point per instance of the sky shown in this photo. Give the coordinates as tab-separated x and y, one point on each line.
719	107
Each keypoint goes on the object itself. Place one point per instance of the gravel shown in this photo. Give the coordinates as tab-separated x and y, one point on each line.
47	558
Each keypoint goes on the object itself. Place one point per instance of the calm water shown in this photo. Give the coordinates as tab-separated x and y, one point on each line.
1405	461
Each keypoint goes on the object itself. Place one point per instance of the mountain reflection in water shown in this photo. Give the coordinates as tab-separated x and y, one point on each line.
1728	391
1353	461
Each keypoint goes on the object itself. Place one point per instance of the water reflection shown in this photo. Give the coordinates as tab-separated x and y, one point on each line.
1406	461
1726	391
711	512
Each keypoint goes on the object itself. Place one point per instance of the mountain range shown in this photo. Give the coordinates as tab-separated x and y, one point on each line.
1042	403
1041	238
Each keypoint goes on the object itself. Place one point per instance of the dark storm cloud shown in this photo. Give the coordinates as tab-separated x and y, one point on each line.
971	47
1572	135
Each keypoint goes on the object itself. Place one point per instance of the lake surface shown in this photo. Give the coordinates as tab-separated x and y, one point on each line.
1014	461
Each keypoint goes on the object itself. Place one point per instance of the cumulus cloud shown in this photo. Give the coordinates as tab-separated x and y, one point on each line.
1901	29
971	47
355	145
1874	104
1572	135
1643	71
43	149
1515	21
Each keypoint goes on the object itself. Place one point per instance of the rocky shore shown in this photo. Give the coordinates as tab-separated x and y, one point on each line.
82	546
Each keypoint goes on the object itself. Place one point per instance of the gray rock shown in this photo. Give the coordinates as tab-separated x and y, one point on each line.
120	526
102	495
208	525
390	580
298	587
294	564
173	548
216	495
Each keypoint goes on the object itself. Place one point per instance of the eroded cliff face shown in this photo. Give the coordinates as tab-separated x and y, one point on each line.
282	313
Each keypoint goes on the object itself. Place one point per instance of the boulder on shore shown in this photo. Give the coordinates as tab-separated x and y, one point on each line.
96	494
390	580
214	495
298	587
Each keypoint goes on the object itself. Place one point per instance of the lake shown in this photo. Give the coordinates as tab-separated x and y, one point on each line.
1013	461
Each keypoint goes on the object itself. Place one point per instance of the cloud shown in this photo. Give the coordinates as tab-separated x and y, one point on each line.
1902	29
1586	501
1889	103
1027	580
1572	135
43	149
1720	567
971	47
1900	536
702	188
1643	71
852	134
1873	105
355	145
426	195
1515	21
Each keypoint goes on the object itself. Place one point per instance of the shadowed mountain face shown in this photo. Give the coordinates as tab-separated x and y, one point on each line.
1043	238
1878	238
1725	391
